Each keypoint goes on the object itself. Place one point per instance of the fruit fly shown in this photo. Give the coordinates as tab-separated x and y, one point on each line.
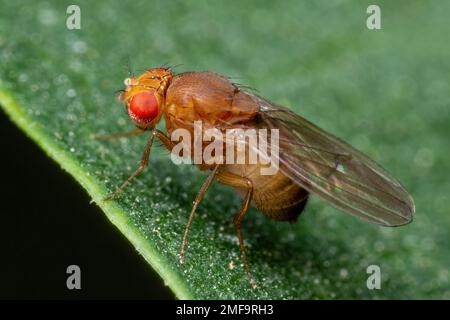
311	161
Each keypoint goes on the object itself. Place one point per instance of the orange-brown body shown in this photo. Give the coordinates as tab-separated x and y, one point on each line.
308	157
219	103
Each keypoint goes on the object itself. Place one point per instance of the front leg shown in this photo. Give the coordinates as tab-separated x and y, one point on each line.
144	161
133	132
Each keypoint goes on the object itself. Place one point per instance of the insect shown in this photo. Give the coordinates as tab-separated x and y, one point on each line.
310	159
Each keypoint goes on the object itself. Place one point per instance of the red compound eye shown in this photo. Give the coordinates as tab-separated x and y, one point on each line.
144	107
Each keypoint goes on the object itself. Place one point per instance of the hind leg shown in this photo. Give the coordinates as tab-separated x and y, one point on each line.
241	183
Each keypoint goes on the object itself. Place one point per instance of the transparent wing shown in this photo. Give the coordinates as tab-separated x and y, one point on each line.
335	171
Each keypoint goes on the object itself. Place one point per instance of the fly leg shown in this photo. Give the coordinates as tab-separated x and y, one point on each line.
116	136
241	183
144	161
197	201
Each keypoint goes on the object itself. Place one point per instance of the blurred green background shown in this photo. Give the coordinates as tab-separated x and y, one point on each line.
384	91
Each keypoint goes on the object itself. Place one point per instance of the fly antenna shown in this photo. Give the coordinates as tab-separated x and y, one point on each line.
119	91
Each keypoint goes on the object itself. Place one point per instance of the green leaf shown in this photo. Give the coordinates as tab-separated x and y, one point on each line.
384	91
